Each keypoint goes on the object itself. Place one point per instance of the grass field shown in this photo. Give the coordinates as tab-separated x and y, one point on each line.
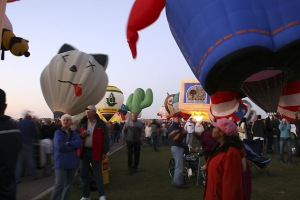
152	181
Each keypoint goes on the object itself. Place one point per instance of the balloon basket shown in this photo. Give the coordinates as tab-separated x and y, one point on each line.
105	171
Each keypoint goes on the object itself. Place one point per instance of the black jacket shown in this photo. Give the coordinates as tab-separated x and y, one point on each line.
259	129
10	146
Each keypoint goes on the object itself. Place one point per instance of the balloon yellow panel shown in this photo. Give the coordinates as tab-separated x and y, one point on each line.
193	99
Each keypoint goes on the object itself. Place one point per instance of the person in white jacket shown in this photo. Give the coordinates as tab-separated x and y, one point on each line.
189	127
148	132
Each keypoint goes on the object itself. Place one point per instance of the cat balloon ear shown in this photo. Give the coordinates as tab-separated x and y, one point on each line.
102	59
65	48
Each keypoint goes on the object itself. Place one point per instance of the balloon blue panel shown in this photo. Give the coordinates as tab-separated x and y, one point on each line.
282	16
207	31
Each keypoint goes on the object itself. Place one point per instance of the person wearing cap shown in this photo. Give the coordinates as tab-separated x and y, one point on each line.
133	132
95	147
66	143
10	147
176	135
224	166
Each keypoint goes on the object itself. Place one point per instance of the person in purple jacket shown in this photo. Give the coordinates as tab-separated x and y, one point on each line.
66	160
208	142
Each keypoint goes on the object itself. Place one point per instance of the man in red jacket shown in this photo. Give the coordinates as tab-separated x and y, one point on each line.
94	133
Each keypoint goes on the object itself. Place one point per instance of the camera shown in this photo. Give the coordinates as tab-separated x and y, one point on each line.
87	133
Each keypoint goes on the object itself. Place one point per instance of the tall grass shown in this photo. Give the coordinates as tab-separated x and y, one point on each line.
152	180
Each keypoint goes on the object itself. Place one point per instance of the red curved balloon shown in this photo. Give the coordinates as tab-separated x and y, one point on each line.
143	13
289	102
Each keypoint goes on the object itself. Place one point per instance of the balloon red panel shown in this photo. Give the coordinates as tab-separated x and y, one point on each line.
143	13
289	101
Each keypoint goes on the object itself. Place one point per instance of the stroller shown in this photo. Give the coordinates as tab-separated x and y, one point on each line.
192	166
255	157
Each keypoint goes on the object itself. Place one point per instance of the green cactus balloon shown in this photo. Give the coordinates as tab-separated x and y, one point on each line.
139	100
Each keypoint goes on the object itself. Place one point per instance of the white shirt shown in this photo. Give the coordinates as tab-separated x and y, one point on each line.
89	139
189	127
148	131
199	128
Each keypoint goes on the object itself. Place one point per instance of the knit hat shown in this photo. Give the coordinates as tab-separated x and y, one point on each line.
227	126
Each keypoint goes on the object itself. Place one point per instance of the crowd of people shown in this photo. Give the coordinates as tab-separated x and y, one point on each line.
86	144
273	132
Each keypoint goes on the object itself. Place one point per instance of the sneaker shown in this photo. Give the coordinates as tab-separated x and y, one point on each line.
102	198
85	198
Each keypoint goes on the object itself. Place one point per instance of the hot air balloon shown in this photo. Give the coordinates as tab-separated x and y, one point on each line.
73	80
118	117
111	102
289	102
139	100
193	99
168	104
123	109
250	47
162	113
175	102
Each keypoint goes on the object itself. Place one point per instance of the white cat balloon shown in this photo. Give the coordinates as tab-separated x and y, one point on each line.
73	80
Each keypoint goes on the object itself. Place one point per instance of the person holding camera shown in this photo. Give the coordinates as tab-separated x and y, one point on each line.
285	140
95	147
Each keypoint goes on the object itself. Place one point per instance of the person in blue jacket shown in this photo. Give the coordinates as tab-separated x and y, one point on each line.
66	160
285	139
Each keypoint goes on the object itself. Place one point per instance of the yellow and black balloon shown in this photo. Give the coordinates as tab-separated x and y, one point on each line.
16	45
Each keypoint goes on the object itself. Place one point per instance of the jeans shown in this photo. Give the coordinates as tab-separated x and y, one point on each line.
111	139
63	181
269	143
133	149
286	142
189	139
276	145
116	137
154	140
86	160
178	158
26	157
164	140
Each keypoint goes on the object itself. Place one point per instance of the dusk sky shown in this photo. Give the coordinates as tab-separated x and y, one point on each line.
94	26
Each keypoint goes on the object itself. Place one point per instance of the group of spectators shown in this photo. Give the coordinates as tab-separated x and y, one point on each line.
114	132
18	139
86	145
274	132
